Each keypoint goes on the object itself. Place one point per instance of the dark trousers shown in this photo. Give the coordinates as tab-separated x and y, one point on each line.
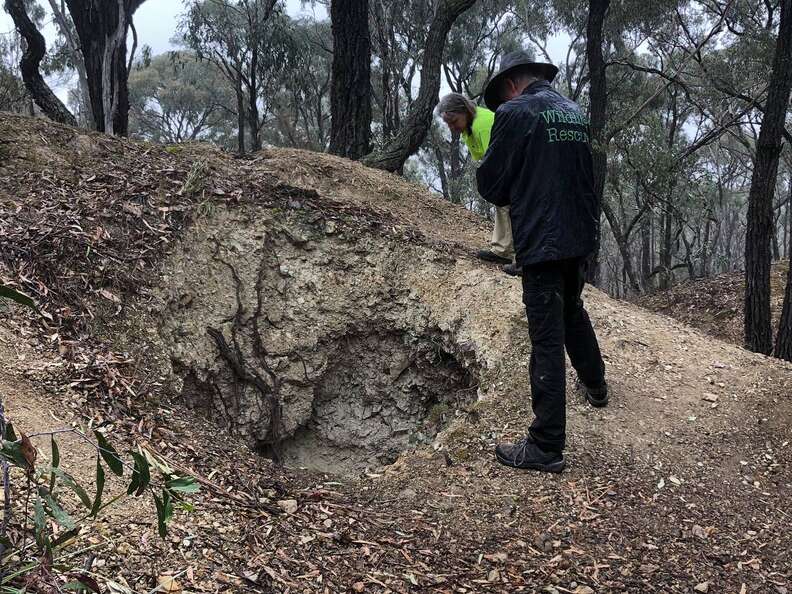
557	320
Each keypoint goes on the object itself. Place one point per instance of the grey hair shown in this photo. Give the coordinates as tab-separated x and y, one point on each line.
456	103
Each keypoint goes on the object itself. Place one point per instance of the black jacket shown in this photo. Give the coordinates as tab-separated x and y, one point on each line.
539	163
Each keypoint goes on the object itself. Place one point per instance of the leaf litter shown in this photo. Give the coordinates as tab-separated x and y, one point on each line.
85	220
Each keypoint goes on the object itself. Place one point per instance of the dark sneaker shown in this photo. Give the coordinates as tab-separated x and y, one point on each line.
527	455
597	397
491	256
513	269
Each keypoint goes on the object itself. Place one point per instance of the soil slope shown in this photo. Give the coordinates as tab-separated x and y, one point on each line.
716	305
337	285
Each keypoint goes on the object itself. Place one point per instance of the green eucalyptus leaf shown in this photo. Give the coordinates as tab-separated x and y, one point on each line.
109	454
12	452
70	482
55	462
13	295
184	484
56	511
164	512
40	523
10	434
100	483
141	476
186	506
55	453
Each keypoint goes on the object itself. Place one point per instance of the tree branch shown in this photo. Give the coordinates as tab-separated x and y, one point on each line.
35	51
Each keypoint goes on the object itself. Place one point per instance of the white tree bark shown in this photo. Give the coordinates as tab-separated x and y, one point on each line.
59	12
110	91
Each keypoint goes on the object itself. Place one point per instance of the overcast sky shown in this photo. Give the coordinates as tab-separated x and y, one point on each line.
156	21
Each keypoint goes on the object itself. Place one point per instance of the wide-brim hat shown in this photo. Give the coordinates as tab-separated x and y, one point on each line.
509	63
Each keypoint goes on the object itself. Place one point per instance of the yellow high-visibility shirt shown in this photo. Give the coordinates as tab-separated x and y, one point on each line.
479	138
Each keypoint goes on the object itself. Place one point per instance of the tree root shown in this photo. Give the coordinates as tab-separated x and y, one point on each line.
244	373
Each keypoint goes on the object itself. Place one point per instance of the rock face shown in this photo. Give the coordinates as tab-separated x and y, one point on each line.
306	337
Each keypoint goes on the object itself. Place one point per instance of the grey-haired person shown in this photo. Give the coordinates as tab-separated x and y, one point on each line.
474	124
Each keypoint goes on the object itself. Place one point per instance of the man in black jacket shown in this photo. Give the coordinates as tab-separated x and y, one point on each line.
539	163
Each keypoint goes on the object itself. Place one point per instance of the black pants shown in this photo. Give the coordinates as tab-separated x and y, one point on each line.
557	320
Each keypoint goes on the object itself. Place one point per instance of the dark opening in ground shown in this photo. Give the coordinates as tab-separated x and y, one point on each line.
380	395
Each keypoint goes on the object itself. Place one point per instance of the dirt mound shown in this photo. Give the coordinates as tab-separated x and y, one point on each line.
303	307
715	305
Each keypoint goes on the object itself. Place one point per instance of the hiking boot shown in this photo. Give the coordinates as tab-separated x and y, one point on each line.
491	256
528	455
597	397
513	269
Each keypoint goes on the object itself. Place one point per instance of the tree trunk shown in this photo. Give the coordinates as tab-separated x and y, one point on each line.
241	118
646	251
350	93
705	248
253	95
35	49
413	132
665	250
598	108
457	168
253	120
85	115
102	28
622	242
774	238
758	333
783	347
441	172
787	228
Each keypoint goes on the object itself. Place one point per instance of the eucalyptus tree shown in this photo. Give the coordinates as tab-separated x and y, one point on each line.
415	126
475	44
300	115
244	39
175	97
102	28
350	96
758	333
35	50
13	96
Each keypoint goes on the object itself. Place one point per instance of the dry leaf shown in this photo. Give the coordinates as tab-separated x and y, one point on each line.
699	532
109	296
116	588
28	452
166	583
134	209
288	505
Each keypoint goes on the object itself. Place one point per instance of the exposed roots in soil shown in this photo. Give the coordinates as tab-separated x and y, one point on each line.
244	373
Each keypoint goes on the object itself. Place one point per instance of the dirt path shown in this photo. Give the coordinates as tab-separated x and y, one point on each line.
654	499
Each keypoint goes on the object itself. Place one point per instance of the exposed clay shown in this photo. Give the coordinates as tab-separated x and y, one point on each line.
309	346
